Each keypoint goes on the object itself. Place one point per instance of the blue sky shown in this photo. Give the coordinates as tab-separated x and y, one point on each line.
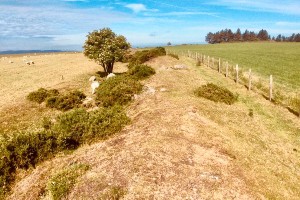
64	24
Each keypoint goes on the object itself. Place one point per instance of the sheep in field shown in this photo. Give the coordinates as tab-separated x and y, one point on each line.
95	84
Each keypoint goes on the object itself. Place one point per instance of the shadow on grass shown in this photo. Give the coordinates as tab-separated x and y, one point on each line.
104	74
293	111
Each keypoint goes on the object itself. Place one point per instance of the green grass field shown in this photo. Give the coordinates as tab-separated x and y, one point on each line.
282	60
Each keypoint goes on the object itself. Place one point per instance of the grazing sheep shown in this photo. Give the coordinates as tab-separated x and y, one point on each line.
95	84
10	61
29	62
110	75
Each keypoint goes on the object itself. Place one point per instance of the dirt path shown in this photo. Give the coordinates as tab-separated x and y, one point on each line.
161	155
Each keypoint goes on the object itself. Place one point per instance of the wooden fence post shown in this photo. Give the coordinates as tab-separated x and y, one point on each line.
207	61
271	88
226	74
237	73
219	66
250	80
213	62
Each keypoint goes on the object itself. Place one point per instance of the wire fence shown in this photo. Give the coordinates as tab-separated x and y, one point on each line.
267	88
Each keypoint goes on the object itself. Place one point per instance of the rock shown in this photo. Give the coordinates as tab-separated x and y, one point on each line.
149	90
179	67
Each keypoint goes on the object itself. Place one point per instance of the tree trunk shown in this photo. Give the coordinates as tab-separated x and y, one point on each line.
110	67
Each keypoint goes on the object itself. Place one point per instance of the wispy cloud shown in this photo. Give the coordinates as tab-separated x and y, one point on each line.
291	7
51	20
178	14
136	8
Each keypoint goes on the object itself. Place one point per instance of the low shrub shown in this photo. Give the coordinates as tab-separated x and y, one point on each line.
117	90
66	102
141	57
55	100
173	56
141	71
105	122
41	95
63	181
70	130
22	150
216	93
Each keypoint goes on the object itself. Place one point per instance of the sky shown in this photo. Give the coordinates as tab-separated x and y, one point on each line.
64	24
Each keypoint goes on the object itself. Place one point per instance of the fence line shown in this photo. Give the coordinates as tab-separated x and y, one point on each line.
238	77
208	61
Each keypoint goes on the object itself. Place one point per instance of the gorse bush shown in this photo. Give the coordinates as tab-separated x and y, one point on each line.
55	100
216	93
141	71
66	102
71	129
117	90
41	95
141	57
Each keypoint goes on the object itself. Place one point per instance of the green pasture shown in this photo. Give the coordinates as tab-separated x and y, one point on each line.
282	60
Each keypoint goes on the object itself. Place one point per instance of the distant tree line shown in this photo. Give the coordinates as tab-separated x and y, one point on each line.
228	36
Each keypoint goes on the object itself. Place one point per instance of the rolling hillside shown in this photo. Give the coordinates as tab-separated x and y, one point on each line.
178	146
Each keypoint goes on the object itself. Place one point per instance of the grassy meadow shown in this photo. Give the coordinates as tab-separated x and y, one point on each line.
282	60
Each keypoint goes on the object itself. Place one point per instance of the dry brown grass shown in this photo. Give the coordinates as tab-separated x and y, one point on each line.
180	146
62	71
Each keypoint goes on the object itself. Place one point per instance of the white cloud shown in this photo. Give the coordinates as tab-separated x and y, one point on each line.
136	7
180	14
21	20
139	8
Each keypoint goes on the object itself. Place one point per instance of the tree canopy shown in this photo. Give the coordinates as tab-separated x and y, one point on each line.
105	48
228	36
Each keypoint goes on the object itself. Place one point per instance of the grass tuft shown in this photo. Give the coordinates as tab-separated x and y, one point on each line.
63	181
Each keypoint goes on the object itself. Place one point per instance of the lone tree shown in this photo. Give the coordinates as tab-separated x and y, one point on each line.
106	48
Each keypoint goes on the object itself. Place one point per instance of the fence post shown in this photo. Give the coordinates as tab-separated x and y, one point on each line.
237	73
213	63
250	80
271	88
207	61
226	74
219	67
